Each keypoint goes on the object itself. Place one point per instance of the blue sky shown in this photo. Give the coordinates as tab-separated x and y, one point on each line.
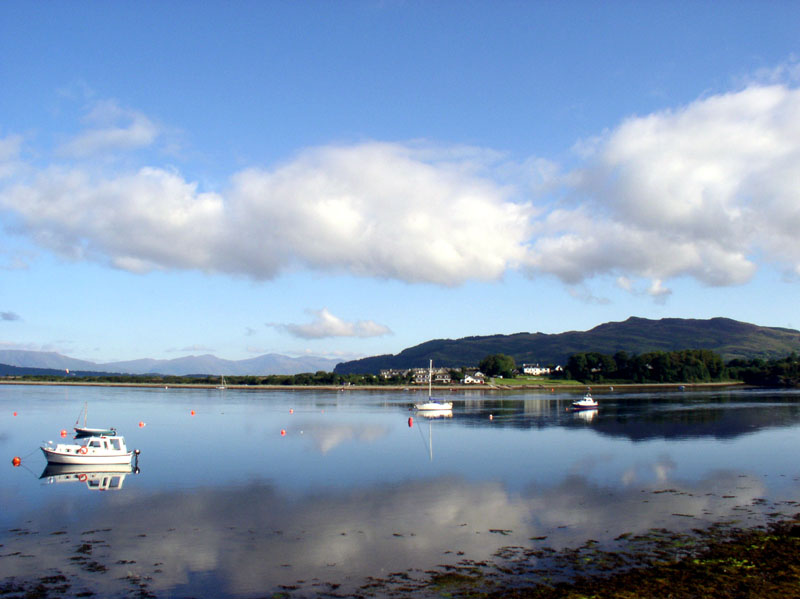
352	178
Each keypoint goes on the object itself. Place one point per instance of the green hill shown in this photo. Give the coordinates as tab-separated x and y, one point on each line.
729	338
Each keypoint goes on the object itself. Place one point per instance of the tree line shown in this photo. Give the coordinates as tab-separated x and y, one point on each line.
684	366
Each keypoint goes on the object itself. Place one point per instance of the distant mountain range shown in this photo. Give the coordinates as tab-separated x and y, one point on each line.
205	364
730	338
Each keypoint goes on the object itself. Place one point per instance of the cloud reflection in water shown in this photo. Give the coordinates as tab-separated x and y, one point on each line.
252	539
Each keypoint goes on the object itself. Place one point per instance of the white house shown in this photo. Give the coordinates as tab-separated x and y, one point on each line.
476	378
535	370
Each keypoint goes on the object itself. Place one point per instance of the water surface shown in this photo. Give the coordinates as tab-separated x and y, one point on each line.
314	492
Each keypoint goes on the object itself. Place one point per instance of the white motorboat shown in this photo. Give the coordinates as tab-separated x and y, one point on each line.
96	450
433	403
587	403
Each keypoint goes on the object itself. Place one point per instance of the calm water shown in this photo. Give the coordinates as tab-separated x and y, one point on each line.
226	505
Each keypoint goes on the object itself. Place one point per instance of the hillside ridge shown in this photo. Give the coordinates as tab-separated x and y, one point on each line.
635	335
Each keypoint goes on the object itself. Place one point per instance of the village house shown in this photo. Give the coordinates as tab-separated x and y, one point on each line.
534	370
475	378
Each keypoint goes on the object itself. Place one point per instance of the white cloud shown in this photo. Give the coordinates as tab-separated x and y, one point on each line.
696	191
376	210
115	129
145	220
326	324
373	210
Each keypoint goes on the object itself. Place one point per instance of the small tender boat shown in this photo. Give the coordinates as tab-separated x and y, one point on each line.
97	450
85	431
587	403
433	403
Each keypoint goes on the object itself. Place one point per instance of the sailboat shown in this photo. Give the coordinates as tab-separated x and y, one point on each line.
433	403
222	383
85	431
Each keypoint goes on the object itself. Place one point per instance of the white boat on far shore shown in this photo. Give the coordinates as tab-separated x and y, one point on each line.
587	403
433	403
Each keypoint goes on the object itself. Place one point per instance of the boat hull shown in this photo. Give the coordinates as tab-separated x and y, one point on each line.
83	431
434	405
54	456
575	408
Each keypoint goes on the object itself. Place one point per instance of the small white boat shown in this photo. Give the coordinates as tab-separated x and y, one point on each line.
433	403
85	431
97	450
587	403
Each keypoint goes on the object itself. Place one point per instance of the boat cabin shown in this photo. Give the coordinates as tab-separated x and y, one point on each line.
106	444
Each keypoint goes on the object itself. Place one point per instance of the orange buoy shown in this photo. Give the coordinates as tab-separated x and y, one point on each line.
283	432
15	413
141	424
491	416
192	412
16	461
63	432
291	410
410	422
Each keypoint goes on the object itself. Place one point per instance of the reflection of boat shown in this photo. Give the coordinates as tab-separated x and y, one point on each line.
586	415
430	416
587	403
101	477
97	450
433	414
85	431
433	403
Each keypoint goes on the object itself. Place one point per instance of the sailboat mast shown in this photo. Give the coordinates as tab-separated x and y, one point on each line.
430	377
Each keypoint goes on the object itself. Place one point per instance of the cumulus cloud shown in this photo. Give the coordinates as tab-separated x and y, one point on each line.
375	210
379	210
142	221
699	191
326	324
114	128
696	191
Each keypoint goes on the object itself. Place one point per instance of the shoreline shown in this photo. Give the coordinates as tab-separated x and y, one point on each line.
578	388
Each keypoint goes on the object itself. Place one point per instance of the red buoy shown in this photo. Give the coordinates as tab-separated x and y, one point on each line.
16	461
283	432
410	422
291	410
141	424
192	412
63	432
15	413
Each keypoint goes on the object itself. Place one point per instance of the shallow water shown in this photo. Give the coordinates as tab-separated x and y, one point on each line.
226	505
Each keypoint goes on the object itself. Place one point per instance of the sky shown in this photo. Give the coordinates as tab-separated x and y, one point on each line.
346	179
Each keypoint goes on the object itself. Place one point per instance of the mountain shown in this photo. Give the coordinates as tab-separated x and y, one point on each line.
730	338
205	364
208	364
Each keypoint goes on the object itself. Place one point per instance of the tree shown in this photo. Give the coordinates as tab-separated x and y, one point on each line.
498	365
